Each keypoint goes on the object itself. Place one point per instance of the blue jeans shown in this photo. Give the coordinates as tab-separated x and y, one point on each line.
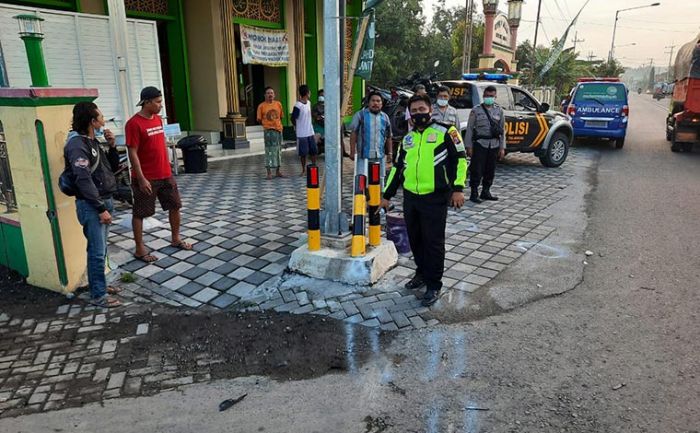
96	234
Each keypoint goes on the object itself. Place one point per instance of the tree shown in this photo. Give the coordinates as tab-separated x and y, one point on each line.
458	40
406	44
652	78
399	40
611	68
563	73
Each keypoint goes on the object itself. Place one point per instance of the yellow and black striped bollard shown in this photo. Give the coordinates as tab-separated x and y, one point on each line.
313	197
375	229
357	248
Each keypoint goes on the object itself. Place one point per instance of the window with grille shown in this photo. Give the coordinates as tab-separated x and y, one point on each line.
7	193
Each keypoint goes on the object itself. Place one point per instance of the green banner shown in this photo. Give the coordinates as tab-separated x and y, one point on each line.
364	68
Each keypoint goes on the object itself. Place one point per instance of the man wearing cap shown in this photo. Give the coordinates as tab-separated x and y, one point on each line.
151	173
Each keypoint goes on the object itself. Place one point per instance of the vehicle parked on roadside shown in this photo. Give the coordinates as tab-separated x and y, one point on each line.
683	120
599	108
531	126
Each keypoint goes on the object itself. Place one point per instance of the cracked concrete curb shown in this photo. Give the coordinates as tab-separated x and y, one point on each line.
554	265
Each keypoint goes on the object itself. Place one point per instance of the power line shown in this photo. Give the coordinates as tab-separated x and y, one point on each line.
625	27
545	33
556	3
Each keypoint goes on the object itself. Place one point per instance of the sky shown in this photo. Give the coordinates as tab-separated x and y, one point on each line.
652	29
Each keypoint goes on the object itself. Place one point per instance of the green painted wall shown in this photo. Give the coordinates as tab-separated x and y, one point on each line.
310	50
177	45
355	9
12	254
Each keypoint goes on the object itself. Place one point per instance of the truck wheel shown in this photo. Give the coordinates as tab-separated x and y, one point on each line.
687	147
557	151
675	146
620	143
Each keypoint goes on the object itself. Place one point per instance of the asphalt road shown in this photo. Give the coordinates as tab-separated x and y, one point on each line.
619	352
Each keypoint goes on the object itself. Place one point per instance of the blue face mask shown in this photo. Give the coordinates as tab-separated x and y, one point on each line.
489	100
99	132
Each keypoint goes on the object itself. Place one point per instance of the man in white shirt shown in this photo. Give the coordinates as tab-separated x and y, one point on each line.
303	125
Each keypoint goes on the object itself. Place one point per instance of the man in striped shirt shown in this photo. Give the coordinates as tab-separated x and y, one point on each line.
370	136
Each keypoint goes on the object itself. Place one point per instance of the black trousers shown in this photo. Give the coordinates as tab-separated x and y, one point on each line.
426	216
482	167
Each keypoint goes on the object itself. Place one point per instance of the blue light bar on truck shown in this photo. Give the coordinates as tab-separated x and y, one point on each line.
487	77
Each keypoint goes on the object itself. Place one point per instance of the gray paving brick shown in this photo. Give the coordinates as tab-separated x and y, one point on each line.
206	295
389	327
400	319
211	264
101	374
190	288
224	283
465	286
241	289
371	323
133	385
417	322
241	273
223	301
208	278
175	283
304	309
116	380
180	267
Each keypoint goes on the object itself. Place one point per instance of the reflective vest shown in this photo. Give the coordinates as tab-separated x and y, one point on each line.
430	161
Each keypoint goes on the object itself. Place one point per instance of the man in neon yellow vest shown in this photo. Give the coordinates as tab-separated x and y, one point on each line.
432	169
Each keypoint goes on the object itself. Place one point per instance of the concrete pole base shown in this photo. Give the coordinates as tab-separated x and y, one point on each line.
338	265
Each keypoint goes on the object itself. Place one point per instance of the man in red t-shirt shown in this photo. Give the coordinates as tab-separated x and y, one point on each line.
151	172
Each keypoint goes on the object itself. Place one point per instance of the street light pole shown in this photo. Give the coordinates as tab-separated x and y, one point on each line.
466	49
617	12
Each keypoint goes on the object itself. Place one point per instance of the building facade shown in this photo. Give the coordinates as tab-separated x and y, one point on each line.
191	49
500	37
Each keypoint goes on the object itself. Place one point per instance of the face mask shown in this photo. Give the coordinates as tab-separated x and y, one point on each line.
420	119
442	102
321	99
489	100
99	131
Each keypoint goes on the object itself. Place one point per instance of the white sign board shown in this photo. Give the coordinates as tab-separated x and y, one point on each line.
172	130
501	31
264	47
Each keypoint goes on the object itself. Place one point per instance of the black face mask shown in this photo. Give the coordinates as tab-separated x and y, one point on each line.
421	120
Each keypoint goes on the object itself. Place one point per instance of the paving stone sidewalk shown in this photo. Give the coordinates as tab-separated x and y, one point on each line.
245	227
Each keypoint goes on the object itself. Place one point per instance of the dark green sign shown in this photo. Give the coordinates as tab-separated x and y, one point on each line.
364	67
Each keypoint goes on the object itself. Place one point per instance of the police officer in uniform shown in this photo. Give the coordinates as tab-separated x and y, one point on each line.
486	143
432	169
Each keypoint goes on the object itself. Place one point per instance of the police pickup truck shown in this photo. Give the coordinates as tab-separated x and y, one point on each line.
530	125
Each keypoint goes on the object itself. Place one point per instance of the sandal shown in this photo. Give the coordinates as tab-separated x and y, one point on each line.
106	302
146	258
182	245
111	290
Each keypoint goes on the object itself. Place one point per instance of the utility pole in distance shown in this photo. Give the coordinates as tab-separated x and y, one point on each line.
669	76
468	34
534	42
576	40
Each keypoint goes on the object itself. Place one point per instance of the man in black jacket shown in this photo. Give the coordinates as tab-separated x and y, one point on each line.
93	174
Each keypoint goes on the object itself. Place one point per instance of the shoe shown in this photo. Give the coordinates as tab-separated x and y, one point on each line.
474	197
486	195
415	283
430	297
